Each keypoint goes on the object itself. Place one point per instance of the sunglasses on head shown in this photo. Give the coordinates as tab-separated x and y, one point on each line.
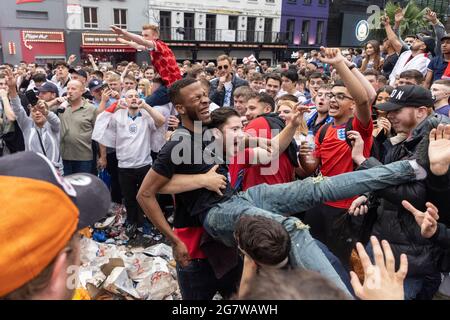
223	67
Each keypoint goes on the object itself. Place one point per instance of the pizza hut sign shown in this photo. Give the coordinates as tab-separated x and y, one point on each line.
41	36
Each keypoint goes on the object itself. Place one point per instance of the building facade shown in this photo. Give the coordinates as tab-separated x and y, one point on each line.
203	30
32	31
305	23
88	32
344	19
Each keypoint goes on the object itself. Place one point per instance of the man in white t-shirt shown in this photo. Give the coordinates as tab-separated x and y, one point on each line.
128	126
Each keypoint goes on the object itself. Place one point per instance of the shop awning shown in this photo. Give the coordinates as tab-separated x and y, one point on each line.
106	49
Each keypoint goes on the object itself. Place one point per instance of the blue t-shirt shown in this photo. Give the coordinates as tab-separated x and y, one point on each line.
444	110
438	66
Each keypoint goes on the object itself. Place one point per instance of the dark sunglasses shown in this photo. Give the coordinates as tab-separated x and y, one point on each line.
223	67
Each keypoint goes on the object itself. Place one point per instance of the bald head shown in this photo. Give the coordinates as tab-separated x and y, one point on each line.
75	90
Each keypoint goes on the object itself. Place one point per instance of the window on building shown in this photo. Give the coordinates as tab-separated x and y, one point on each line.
210	27
322	2
305	31
292	1
164	25
268	24
320	29
290	29
26	14
189	33
307	2
120	18
232	22
251	28
90	18
270	1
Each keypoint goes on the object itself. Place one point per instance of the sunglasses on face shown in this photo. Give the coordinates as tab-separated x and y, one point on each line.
223	67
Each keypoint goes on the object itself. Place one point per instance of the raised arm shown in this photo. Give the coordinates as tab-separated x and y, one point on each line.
438	27
132	44
92	62
393	39
133	37
157	117
280	142
371	93
125	71
354	86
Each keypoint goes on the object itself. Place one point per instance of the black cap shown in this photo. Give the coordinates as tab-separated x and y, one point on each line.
429	42
87	192
95	84
48	87
80	72
407	96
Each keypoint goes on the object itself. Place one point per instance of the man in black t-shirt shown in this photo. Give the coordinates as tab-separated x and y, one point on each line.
201	205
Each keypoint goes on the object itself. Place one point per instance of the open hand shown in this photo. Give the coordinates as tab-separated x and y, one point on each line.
71	59
214	181
381	282
439	150
331	56
117	30
427	220
298	114
399	16
431	16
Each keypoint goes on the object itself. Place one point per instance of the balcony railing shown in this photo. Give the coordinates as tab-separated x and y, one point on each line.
219	35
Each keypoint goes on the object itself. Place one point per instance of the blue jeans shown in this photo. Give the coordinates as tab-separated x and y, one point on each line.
72	167
276	201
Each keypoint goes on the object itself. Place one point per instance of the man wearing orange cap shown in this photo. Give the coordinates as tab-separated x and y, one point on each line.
38	230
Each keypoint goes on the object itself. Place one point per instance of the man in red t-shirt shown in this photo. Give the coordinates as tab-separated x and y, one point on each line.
245	170
162	56
350	101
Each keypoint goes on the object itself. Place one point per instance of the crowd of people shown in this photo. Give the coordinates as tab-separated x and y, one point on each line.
322	178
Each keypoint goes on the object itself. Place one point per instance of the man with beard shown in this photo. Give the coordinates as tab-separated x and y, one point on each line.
415	58
129	126
77	123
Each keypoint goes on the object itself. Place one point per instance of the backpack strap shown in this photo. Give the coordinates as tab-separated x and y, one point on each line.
348	127
323	131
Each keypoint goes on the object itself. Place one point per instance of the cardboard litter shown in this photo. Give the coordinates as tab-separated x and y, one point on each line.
118	282
112	272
